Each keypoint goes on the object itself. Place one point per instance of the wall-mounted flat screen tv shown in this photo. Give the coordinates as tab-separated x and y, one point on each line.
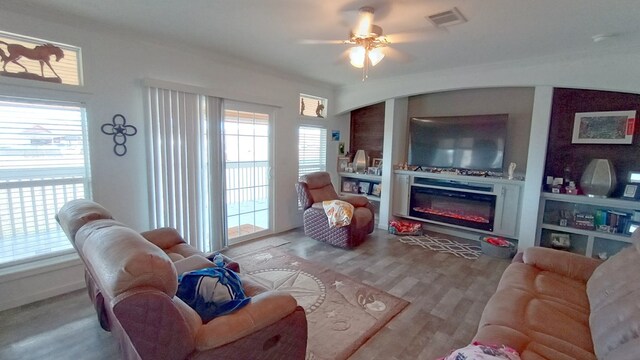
474	142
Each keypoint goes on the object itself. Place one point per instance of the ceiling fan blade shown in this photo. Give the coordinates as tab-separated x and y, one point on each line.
397	55
320	42
414	36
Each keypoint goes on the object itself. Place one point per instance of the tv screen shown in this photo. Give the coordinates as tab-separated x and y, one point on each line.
463	142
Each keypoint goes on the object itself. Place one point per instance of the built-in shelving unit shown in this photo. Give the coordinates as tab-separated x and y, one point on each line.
595	226
350	184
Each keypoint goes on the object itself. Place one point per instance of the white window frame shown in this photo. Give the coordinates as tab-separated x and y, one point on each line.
46	186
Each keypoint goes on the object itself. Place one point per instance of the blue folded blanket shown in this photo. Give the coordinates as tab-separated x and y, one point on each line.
212	292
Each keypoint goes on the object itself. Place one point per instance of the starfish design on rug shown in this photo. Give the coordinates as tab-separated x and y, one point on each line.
308	290
295	263
337	283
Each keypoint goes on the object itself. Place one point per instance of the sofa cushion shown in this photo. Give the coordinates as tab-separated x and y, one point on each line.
120	259
614	295
519	315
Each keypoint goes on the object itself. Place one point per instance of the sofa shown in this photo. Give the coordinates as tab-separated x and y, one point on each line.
132	280
316	187
559	305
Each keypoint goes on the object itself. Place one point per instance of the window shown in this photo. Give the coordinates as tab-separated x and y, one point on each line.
43	164
313	106
312	149
64	60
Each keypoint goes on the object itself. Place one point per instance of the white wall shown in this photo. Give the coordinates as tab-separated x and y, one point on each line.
114	66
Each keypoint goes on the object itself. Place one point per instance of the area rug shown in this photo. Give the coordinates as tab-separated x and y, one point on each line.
342	313
443	245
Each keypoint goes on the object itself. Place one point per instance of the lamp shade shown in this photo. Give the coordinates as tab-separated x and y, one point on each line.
375	56
356	56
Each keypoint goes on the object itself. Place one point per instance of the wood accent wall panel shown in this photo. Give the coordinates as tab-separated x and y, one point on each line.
561	152
367	130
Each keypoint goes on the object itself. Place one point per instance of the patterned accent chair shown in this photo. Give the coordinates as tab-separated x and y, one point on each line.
132	280
316	187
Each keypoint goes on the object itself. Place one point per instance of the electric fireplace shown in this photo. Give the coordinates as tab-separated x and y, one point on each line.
464	208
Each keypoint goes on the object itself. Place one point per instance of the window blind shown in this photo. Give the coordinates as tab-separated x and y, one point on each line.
312	149
43	164
183	140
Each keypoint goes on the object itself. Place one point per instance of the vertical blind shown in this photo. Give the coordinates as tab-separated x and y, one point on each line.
180	162
43	164
312	149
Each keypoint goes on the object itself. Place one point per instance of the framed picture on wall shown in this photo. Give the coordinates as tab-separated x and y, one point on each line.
606	127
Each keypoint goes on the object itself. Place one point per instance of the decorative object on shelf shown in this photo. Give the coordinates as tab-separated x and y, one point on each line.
360	161
350	186
372	170
631	189
40	53
335	135
376	162
319	109
120	130
341	148
376	190
608	127
631	227
302	107
364	187
599	178
560	241
343	163
512	169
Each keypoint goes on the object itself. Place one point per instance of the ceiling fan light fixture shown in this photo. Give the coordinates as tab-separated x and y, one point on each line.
375	56
357	56
363	29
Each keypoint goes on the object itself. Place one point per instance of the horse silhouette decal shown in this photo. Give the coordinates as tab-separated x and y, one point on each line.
40	53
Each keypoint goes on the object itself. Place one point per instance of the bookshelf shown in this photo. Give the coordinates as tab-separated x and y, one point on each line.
595	226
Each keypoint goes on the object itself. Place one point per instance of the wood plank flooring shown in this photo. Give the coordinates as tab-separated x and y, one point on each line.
447	296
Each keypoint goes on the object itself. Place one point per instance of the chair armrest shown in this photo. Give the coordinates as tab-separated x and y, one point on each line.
163	238
251	287
568	264
355	200
264	309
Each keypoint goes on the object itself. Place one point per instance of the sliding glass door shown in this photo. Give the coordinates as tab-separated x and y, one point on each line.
247	167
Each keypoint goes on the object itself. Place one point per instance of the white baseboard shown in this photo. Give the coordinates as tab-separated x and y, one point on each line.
33	297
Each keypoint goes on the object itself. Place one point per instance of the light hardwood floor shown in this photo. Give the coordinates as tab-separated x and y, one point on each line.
446	294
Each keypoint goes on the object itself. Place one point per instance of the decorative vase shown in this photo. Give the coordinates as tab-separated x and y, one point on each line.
360	161
599	178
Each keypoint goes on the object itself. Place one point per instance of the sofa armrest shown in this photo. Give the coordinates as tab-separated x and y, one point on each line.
355	200
264	309
163	238
568	264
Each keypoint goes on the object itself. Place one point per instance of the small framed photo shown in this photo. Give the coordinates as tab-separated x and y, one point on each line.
630	191
350	186
560	241
364	187
343	163
376	190
605	127
372	170
631	227
376	162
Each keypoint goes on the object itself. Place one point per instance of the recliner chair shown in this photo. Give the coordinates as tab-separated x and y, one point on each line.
132	280
316	187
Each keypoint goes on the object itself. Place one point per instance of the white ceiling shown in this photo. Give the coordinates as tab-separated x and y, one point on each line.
271	32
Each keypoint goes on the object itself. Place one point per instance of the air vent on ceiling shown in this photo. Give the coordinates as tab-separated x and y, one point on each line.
447	18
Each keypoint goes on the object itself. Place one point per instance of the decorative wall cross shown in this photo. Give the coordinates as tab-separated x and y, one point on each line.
120	130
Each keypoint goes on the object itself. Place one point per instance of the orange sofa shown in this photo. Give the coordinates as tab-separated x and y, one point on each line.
560	305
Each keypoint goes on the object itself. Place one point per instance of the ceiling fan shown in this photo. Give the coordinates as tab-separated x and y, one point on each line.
368	41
